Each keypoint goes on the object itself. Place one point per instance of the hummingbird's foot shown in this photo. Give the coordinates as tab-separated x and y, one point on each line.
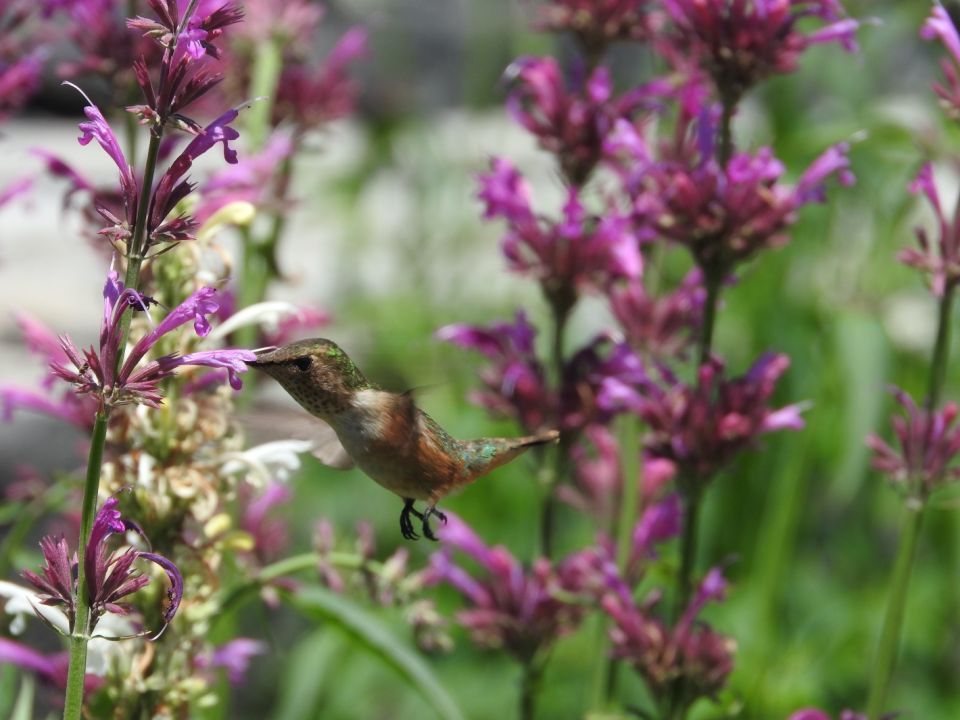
427	530
406	526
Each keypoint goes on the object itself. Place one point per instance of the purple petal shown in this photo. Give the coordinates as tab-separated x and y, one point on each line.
233	361
175	591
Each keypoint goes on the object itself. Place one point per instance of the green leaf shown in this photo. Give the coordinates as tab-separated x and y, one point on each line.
23	709
301	696
369	632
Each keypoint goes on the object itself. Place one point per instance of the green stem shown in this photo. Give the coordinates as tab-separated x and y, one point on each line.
137	250
267	64
712	280
893	619
629	502
530	688
941	350
725	151
561	313
79	631
688	545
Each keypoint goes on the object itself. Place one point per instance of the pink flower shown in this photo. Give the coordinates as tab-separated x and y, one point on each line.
94	372
739	43
702	427
510	607
940	26
597	23
571	123
309	96
725	215
942	258
690	652
929	443
579	251
111	575
663	325
515	383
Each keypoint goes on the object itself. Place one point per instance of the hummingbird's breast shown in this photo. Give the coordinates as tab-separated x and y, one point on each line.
399	446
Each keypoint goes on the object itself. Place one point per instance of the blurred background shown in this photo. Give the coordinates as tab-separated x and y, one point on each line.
387	238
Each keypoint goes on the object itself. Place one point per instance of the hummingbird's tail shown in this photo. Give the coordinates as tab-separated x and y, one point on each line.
485	454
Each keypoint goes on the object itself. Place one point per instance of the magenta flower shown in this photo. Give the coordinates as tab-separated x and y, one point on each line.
269	532
702	427
51	669
309	97
739	43
250	180
940	26
942	258
580	251
95	373
726	215
511	608
78	410
234	657
515	382
816	714
596	23
689	657
663	325
18	81
111	575
570	123
929	443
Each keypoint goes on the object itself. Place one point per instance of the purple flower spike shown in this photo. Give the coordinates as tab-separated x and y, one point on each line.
702	427
740	43
816	714
596	23
516	381
929	444
97	128
940	26
234	657
578	251
92	373
939	259
511	607
662	655
51	669
111	575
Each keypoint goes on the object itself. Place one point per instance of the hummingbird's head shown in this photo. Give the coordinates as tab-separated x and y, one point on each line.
316	372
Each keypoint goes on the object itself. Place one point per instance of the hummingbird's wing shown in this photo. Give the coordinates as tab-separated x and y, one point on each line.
271	422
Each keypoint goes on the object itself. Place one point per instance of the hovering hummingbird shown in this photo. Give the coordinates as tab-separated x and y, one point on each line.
385	433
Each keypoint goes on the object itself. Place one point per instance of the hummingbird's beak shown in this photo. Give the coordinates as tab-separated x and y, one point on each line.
262	356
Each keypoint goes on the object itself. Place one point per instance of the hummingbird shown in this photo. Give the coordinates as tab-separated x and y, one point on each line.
384	433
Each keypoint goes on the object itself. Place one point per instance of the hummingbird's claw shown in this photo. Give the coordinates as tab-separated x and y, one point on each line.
406	526
427	530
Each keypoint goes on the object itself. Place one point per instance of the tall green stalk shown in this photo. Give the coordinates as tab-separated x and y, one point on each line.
893	619
80	632
561	313
889	644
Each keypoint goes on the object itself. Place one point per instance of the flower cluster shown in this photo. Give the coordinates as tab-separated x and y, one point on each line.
96	373
724	214
941	260
940	26
740	43
596	23
110	576
701	427
688	655
518	610
929	444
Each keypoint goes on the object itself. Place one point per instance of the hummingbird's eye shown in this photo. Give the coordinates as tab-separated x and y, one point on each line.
303	363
